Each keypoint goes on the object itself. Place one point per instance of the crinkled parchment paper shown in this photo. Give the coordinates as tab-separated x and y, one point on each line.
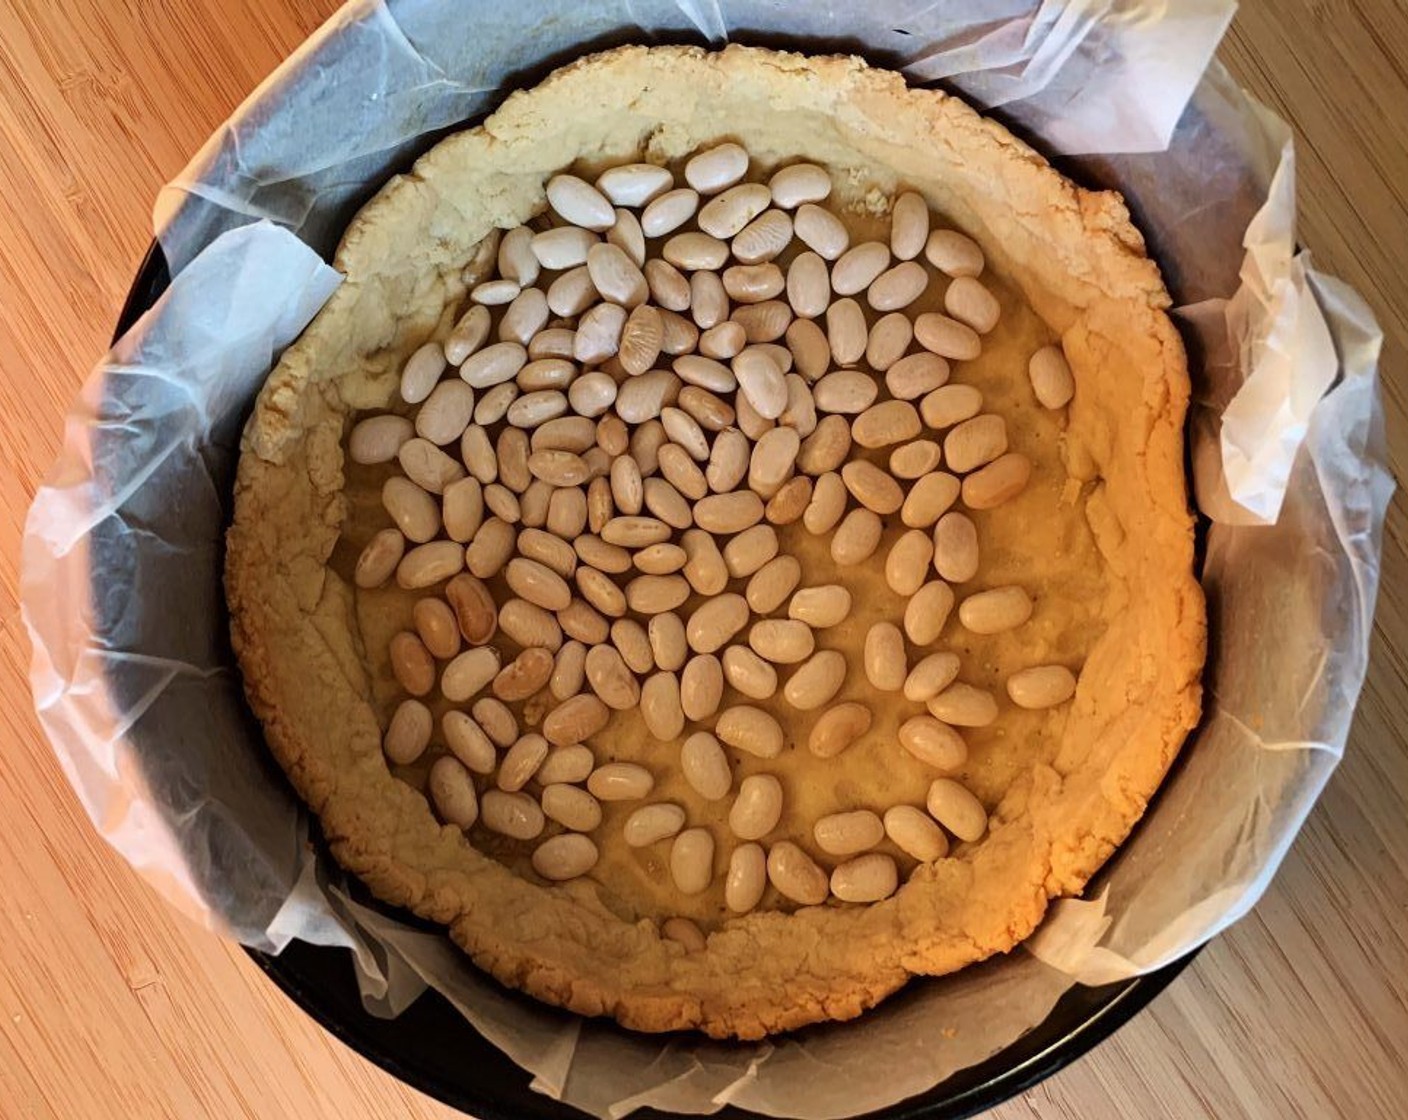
136	685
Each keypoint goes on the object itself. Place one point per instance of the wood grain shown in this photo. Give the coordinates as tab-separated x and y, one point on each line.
110	1005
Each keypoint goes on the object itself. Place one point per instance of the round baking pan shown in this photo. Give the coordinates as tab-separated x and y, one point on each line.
433	1048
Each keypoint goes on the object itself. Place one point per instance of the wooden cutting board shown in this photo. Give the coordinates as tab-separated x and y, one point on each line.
111	1005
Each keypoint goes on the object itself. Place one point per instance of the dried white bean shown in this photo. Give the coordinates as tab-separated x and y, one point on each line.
569	805
846	392
1051	377
826	448
421	372
474	607
909	226
827	505
580	203
897	287
616	276
716	168
495	293
796	875
820	607
570	764
377	439
575	720
694	251
750	730
701	687
931	676
763	238
954	807
452	791
757	808
947	337
428	564
411	508
379	558
914	832
572	293
493	403
631	640
992	612
927	611
716	621
411	663
610	679
889	339
652	823
907	565
563	248
1044	686
845	834
858	267
515	258
728	213
692	860
705	766
567	512
749	673
723	340
569	855
642	398
872	487
929	499
521	762
816	681
627	236
1001	480
838	727
408	733
620	781
708	300
914	460
761	381
799	183
934	743
846	333
468	335
954	254
821	231
704	567
956	548
968	301
494	364
660	706
515	815
747	878
634	184
667	642
867	878
783	641
885	424
809	347
468	673
771	584
963	705
856	538
885	665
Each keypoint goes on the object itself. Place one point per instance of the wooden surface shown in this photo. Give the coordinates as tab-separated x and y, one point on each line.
110	1005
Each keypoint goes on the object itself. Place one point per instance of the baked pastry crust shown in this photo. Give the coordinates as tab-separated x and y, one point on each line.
1059	814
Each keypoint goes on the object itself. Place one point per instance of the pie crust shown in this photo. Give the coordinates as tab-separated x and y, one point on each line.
1103	539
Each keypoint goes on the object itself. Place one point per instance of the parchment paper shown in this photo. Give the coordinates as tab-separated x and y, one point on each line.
137	689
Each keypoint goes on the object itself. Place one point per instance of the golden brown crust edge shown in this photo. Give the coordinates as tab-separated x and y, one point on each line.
292	622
